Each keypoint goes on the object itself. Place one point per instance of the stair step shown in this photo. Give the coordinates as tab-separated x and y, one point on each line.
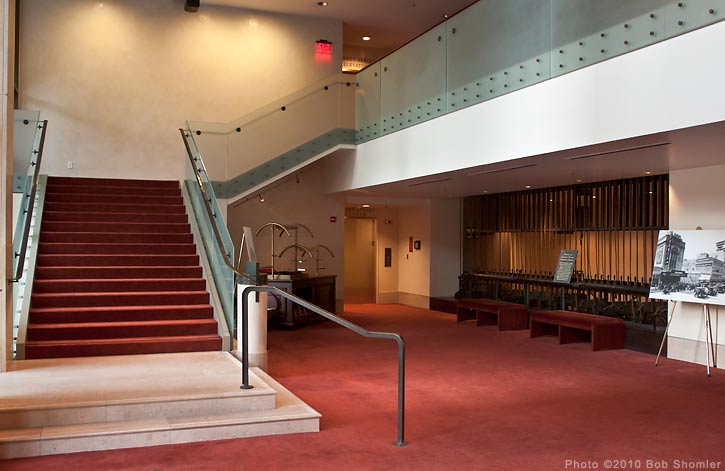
64	260
66	216
73	300
115	330
125	346
176	398
115	208
128	227
110	238
119	314
121	248
82	181
111	190
119	285
77	272
51	197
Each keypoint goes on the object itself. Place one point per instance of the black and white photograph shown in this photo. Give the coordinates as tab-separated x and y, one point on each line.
690	266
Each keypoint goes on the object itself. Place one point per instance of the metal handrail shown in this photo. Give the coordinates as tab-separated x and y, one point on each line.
338	320
306	304
207	205
31	204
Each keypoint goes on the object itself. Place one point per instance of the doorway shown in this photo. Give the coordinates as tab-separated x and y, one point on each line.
359	260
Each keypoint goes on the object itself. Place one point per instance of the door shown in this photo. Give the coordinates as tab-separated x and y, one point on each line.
359	260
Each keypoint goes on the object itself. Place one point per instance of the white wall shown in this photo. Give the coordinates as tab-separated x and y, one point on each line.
670	85
291	203
117	78
696	199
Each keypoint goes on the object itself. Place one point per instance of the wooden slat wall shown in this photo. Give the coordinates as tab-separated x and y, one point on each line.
614	225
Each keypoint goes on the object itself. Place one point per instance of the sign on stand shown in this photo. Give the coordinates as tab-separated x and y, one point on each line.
565	266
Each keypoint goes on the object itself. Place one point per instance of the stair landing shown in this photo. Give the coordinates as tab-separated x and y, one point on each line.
68	405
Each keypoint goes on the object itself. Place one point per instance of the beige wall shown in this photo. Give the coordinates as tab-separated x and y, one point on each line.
7	44
696	199
414	271
117	78
288	203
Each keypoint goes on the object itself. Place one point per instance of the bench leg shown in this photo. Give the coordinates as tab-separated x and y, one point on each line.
513	319
608	337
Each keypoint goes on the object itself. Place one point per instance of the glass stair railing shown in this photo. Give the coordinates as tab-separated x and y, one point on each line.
28	142
277	139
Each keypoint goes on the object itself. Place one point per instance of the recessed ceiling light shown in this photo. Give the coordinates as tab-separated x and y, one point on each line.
322	4
445	16
578	181
528	186
648	173
366	38
366	206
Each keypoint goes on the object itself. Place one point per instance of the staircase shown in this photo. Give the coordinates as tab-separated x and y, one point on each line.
117	273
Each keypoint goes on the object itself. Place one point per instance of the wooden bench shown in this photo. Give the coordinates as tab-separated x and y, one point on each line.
603	332
507	316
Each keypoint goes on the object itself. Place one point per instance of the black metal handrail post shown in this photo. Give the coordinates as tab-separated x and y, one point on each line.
340	321
31	204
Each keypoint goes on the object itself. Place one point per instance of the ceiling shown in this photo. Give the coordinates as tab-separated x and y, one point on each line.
390	23
654	154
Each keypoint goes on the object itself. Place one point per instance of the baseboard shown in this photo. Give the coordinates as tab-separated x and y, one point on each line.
693	351
391	297
414	300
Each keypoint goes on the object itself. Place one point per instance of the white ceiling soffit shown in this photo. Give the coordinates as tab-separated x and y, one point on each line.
646	155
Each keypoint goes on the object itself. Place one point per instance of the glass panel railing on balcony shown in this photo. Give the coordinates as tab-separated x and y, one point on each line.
413	84
496	47
278	138
216	247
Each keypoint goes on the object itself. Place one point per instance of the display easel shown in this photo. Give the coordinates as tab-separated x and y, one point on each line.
709	343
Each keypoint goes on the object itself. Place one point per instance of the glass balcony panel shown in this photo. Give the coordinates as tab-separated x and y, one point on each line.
687	15
495	48
413	84
367	104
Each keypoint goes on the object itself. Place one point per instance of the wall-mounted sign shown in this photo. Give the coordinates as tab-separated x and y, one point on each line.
323	46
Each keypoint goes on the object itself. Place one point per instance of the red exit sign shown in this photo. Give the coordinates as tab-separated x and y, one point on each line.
323	46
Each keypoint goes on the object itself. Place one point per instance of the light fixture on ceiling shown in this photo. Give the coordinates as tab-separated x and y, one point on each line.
192	6
365	205
261	198
322	4
527	186
648	173
488	172
366	38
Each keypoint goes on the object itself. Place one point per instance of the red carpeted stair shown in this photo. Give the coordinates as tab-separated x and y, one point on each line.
117	273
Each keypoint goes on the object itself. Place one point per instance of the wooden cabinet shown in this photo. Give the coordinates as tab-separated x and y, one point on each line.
319	290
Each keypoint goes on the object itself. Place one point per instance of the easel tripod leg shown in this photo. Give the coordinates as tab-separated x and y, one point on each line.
667	329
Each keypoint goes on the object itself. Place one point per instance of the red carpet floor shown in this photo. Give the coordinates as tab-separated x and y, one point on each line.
477	399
